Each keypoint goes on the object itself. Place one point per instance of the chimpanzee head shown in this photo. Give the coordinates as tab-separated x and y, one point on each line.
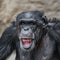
30	29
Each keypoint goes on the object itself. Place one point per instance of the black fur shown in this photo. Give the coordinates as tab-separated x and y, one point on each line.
45	46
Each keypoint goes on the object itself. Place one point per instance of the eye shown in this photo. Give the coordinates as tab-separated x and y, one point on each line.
21	23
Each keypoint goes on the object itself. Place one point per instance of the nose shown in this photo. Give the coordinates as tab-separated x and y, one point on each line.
26	29
26	32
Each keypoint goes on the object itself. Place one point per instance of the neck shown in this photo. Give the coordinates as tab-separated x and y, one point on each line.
22	55
25	55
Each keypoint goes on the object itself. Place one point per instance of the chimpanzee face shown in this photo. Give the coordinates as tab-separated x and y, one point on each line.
30	26
28	34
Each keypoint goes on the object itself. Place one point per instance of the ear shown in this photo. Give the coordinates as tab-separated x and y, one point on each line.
45	19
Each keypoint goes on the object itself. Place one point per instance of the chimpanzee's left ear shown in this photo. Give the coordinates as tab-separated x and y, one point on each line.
42	22
45	19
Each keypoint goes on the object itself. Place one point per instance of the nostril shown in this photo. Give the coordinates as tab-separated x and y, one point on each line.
26	29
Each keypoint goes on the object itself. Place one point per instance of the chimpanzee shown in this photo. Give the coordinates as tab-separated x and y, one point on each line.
29	36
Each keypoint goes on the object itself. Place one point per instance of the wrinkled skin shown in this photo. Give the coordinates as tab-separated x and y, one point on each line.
31	38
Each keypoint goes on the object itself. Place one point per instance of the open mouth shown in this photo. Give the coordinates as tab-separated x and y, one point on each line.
26	42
